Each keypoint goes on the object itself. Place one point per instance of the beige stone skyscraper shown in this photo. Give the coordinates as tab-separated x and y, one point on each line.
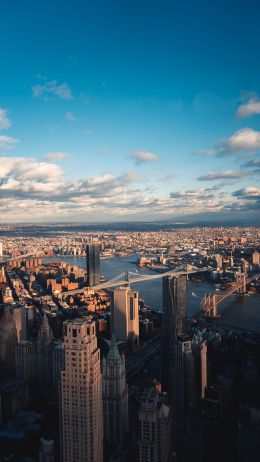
81	414
125	315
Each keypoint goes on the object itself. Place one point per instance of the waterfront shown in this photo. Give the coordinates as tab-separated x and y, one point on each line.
238	310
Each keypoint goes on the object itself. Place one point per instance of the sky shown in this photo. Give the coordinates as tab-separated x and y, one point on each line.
129	110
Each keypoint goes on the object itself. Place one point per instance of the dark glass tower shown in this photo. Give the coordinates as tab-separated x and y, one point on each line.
93	265
174	313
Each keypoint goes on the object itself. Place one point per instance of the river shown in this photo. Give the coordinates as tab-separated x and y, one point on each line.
237	310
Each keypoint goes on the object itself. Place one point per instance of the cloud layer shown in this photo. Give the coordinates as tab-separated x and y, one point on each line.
31	190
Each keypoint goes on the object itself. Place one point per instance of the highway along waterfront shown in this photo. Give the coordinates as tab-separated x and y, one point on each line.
241	311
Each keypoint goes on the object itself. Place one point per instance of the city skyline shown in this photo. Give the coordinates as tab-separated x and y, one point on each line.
129	112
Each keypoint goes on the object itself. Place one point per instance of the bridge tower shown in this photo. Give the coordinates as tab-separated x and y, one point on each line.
209	305
214	306
241	278
127	284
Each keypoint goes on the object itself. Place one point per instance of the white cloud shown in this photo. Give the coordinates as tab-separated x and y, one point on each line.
251	107
6	142
63	90
248	192
70	117
4	121
56	156
143	156
243	139
226	175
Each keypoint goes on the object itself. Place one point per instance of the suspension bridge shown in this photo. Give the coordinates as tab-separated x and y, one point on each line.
129	277
210	301
7	260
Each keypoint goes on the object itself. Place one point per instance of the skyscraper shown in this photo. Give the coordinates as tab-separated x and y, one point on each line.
8	340
125	315
93	265
154	428
81	415
199	348
183	383
115	396
174	312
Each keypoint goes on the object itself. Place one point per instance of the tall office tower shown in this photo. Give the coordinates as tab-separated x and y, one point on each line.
174	312
154	428
199	348
26	361
125	315
183	384
115	396
256	258
43	352
81	413
58	364
8	340
1	249
93	265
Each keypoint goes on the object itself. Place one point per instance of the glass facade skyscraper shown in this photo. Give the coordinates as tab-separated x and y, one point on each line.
174	312
93	265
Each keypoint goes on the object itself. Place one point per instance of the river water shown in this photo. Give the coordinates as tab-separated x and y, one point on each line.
237	310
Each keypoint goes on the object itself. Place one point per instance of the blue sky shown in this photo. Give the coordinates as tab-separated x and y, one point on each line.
129	110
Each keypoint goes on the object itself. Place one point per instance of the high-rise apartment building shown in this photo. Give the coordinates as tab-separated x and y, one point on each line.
125	315
93	265
154	428
174	313
81	413
115	396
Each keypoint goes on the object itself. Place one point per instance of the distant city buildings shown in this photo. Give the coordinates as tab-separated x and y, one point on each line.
93	265
81	413
125	315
